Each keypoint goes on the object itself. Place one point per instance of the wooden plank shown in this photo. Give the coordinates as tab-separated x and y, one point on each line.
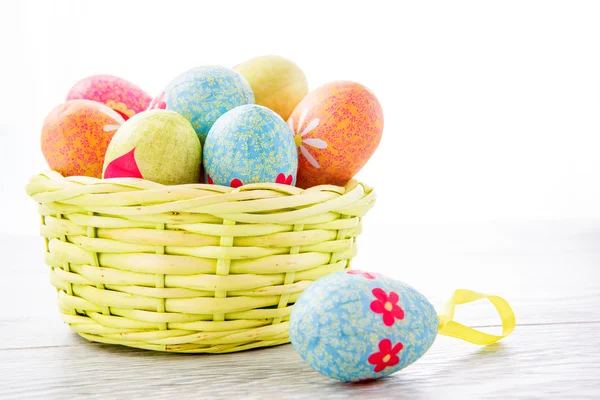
559	361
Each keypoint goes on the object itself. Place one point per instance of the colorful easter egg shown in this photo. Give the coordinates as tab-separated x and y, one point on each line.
337	128
250	144
124	97
355	325
203	94
156	145
277	83
75	137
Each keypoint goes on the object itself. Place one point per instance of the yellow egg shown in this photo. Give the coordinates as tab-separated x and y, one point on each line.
277	83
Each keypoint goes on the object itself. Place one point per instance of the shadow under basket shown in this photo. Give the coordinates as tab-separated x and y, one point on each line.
191	268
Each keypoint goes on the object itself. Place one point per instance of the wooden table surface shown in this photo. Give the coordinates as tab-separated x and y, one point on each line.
549	271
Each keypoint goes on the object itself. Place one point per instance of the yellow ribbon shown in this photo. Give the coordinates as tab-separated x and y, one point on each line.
448	327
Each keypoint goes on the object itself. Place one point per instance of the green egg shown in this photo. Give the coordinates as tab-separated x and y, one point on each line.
156	145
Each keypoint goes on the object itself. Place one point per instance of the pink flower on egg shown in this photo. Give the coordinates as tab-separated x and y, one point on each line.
387	355
158	103
124	166
367	275
281	178
387	305
236	183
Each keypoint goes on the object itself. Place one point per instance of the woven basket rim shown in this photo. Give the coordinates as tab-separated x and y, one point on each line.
148	185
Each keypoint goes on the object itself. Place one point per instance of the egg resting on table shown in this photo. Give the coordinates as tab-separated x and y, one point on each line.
203	94
157	145
122	96
75	136
277	83
250	144
337	128
355	325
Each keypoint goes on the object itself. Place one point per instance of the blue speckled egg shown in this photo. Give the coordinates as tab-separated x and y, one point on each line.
203	94
250	144
356	326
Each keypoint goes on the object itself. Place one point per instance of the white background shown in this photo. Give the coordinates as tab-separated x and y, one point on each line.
492	109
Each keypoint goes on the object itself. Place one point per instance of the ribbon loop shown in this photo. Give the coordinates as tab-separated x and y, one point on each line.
449	327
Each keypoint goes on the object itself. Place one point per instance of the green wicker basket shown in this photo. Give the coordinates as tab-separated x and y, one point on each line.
191	268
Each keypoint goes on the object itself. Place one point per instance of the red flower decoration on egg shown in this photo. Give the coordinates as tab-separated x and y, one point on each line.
281	178
387	355
367	275
158	103
387	305
236	183
123	167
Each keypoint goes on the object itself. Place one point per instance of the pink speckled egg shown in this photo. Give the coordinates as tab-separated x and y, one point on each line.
337	128
122	96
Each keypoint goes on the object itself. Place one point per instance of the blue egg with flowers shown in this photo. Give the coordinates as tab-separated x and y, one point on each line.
355	326
250	144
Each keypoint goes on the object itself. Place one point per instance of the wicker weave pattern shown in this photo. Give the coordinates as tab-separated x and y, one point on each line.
191	268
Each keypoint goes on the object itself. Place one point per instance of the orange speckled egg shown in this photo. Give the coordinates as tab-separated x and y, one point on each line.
337	128
75	137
